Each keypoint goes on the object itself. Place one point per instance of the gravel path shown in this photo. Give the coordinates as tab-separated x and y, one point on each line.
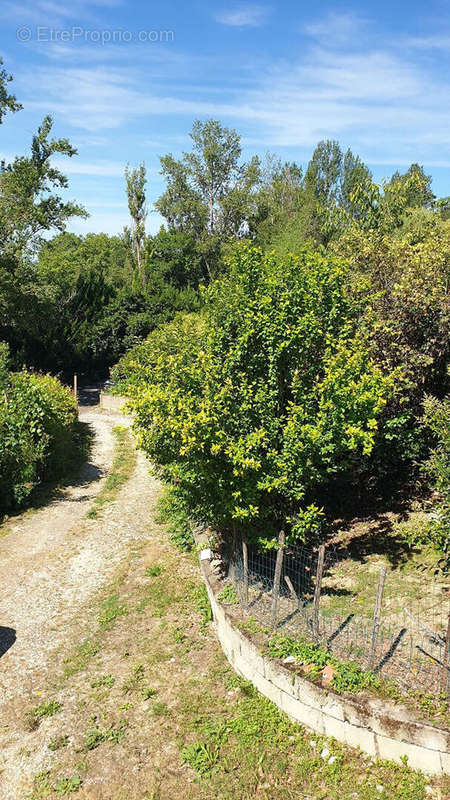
53	561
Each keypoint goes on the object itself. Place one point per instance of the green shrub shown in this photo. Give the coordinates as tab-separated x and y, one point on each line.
38	433
247	409
437	418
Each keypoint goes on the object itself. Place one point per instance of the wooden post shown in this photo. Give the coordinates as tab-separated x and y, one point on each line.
292	591
75	385
232	570
376	616
245	560
317	590
445	674
277	576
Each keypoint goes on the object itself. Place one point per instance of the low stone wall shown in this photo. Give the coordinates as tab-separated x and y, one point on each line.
382	729
112	402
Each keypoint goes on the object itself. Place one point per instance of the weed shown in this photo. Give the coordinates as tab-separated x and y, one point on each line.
42	786
178	635
228	595
96	736
68	785
103	680
80	658
58	742
348	676
35	715
250	626
149	693
134	680
202	604
202	757
153	572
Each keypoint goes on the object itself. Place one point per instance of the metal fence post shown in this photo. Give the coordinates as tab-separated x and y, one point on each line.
277	577
245	560
317	590
376	616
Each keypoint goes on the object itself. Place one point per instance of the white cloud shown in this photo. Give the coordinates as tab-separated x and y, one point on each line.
373	97
337	29
49	12
72	166
244	16
436	42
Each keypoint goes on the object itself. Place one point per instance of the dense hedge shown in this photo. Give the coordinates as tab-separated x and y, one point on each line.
38	432
271	393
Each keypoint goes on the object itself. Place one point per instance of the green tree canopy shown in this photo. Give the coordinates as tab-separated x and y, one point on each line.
210	194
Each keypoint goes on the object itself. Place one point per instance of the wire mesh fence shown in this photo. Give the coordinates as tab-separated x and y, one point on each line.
394	622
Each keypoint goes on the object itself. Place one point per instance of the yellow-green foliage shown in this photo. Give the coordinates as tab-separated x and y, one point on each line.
248	411
38	428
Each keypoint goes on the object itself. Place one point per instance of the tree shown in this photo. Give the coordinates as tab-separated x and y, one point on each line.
417	186
135	184
29	205
209	194
279	198
8	101
337	190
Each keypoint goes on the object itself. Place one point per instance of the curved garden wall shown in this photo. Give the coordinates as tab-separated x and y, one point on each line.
382	729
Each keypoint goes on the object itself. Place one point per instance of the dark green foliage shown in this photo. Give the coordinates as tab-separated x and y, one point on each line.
437	419
38	434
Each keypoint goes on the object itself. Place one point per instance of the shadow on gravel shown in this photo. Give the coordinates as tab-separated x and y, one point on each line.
7	639
89	395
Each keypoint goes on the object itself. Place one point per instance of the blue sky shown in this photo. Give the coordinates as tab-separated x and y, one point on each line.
374	75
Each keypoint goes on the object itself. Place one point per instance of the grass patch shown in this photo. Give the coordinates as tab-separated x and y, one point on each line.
159	595
111	609
80	657
250	749
173	513
121	470
202	604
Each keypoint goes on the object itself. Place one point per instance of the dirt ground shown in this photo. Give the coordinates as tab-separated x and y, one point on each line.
112	683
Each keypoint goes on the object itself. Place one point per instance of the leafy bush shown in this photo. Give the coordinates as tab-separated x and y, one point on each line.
437	418
247	409
404	278
38	433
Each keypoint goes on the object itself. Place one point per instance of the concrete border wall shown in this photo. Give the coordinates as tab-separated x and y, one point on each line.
112	402
382	729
